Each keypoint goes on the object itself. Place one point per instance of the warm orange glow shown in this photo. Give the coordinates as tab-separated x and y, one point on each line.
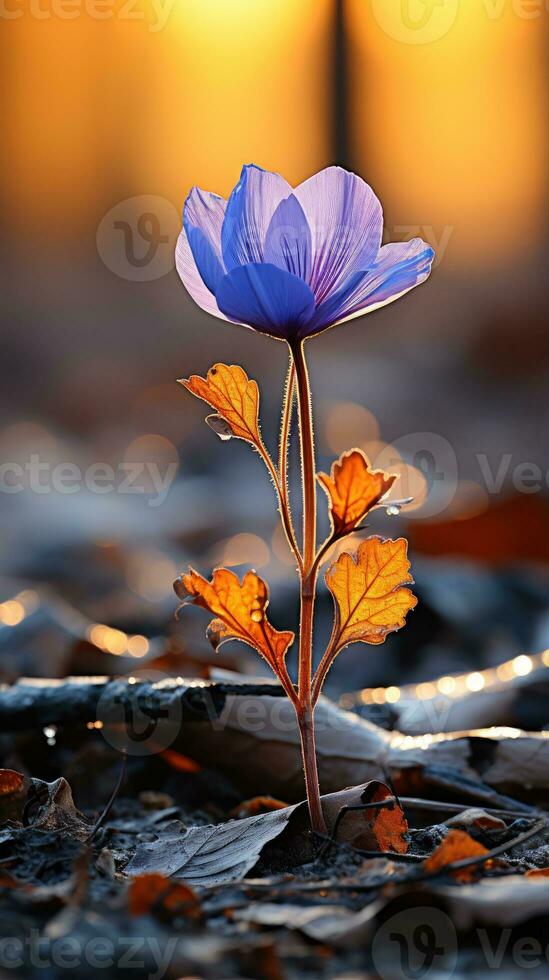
348	424
241	82
244	549
150	98
450	131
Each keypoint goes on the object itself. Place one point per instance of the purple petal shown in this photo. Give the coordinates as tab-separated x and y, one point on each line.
203	216
191	278
205	211
249	212
266	298
346	223
288	244
399	267
207	262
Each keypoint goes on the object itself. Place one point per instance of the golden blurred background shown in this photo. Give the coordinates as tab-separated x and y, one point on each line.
113	109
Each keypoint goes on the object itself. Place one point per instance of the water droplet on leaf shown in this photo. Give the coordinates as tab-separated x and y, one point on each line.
220	427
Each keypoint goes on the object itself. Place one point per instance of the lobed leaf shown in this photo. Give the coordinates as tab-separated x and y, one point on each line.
368	592
240	608
235	399
353	488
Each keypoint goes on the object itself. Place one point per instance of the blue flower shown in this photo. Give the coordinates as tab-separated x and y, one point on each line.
292	262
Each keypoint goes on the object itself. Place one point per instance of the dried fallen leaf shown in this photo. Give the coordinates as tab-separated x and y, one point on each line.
537	873
241	608
389	825
13	794
258	804
456	846
179	762
476	819
370	829
211	855
154	889
11	782
353	488
368	595
233	396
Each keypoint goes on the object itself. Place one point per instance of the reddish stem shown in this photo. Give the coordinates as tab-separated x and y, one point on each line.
308	577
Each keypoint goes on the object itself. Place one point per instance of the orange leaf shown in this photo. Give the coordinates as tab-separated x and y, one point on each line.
353	820
11	782
353	488
258	804
389	826
179	762
537	873
156	889
240	608
456	846
368	595
233	396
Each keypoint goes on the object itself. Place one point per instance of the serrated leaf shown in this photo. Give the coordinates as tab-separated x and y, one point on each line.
234	398
240	611
353	488
368	592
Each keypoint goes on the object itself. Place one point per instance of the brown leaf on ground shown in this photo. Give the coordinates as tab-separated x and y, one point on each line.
180	762
241	611
368	592
370	829
14	788
258	804
11	782
537	873
353	488
456	846
149	891
233	396
476	819
389	825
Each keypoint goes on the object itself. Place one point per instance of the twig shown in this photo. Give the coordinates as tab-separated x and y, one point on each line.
110	804
413	803
388	803
482	858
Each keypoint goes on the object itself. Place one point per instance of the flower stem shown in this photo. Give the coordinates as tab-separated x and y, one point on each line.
308	577
285	428
307	454
305	718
